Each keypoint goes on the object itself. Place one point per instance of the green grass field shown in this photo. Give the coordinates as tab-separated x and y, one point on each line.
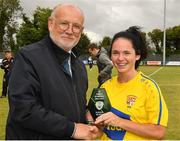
168	79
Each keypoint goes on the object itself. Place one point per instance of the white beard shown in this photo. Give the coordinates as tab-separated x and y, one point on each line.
65	46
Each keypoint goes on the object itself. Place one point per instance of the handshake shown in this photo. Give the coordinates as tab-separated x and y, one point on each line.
87	132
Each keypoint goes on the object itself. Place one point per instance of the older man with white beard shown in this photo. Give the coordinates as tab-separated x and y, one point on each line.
48	84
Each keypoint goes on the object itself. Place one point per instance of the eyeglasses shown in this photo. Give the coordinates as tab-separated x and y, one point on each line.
76	28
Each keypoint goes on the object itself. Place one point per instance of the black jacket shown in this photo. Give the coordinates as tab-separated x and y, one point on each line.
44	100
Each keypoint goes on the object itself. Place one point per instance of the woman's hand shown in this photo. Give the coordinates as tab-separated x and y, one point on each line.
148	130
108	119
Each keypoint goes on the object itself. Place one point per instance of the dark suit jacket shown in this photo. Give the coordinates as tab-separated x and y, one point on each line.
44	100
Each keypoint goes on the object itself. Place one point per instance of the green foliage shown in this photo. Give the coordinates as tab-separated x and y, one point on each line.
106	42
35	29
143	34
82	45
157	37
41	16
27	36
9	12
147	42
173	38
12	28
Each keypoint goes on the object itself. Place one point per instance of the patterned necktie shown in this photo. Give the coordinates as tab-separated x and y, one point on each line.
67	66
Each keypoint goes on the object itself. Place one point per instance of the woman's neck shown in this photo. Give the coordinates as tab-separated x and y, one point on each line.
125	77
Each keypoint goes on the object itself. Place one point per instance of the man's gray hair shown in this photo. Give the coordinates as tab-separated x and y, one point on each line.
53	14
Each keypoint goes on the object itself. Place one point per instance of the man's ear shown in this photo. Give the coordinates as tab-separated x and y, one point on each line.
50	23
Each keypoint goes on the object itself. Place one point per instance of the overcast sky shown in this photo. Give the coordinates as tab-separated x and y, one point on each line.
107	17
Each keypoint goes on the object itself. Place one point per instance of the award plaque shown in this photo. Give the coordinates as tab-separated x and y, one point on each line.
99	102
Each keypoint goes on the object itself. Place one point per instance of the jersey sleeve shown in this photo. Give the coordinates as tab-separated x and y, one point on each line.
157	112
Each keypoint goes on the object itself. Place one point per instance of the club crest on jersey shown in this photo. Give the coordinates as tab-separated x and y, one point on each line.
99	105
130	100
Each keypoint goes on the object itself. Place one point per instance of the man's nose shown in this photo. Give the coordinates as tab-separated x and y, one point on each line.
70	29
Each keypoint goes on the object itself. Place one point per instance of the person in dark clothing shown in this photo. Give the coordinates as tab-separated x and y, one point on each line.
6	63
104	63
90	62
48	84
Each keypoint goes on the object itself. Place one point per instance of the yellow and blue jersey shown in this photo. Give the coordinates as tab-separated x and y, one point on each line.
139	100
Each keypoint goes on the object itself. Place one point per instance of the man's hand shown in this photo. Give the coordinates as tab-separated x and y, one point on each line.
87	132
89	117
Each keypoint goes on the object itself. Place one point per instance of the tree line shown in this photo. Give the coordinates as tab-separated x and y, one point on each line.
15	36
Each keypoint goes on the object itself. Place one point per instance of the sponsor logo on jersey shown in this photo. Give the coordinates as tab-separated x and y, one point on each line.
114	133
109	127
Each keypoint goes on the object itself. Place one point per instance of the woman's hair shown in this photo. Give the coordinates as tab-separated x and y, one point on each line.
134	35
